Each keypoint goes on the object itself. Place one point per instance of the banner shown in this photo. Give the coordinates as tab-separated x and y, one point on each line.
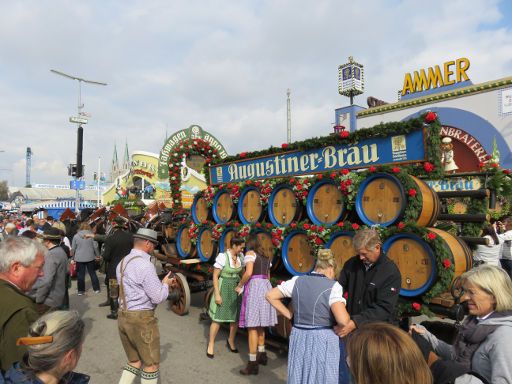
406	148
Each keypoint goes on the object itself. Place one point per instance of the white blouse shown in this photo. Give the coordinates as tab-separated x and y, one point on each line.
336	295
220	261
250	257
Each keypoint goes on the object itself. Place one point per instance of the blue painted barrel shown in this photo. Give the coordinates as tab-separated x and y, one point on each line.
381	200
325	203
415	260
184	245
297	254
250	209
283	206
340	243
205	246
199	209
223	209
225	239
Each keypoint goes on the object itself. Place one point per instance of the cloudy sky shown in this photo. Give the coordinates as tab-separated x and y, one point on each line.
224	65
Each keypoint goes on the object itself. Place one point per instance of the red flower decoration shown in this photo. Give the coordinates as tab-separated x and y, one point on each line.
413	192
258	224
313	227
447	263
345	295
372	169
481	164
431	236
400	225
292	181
248	182
344	171
430	117
333	175
306	226
495	165
284	145
487	157
416	306
344	134
318	241
355	226
320	228
428	167
395	169
340	224
506	171
293	225
243	155
269	225
319	176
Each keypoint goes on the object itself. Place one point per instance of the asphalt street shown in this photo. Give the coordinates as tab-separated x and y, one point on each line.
183	347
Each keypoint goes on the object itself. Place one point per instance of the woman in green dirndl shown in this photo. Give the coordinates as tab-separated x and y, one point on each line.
225	304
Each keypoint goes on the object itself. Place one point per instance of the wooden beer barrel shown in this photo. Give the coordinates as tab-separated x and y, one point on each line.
199	209
283	206
225	239
205	244
184	245
249	206
382	200
342	248
297	253
325	204
223	208
416	260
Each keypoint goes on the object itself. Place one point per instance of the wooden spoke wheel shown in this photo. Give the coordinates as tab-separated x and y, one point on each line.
182	306
207	298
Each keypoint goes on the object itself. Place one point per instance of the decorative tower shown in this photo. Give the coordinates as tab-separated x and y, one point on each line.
126	158
114	167
351	79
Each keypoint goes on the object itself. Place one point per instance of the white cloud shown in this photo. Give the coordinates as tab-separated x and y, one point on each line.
221	64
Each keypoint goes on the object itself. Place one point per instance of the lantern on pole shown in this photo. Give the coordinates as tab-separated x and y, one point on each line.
351	79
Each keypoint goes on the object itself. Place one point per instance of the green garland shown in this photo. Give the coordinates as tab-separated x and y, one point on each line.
444	258
432	142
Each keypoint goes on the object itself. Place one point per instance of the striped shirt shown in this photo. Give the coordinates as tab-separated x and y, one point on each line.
142	287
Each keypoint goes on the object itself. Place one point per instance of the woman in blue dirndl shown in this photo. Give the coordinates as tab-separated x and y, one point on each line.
318	305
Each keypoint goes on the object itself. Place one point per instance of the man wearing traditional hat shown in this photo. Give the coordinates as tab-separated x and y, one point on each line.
50	289
117	245
140	291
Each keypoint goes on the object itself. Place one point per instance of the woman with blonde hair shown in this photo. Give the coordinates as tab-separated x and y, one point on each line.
318	305
380	353
482	349
54	346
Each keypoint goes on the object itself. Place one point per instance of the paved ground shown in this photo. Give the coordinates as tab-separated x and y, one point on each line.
183	347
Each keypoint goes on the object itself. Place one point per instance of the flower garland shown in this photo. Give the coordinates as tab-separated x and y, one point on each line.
185	149
444	258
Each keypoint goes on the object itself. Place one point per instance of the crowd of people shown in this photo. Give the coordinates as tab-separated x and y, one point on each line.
345	325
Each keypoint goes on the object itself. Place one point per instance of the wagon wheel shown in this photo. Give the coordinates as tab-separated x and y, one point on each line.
181	306
207	299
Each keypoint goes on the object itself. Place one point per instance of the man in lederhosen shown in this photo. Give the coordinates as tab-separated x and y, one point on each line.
140	291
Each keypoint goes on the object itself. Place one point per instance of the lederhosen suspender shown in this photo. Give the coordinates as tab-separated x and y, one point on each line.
121	288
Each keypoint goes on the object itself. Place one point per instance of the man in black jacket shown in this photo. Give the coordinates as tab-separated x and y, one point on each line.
117	245
371	281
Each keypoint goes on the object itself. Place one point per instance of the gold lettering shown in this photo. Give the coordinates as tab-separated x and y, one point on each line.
435	77
304	163
408	86
448	73
270	167
233	171
421	82
312	160
370	155
341	157
329	155
462	66
293	164
353	157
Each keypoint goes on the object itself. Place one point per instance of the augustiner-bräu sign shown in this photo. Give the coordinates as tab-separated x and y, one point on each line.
406	148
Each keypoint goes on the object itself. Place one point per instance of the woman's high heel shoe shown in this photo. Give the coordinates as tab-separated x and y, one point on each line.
208	355
234	350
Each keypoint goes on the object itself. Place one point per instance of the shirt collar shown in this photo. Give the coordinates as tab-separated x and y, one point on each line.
484	317
139	252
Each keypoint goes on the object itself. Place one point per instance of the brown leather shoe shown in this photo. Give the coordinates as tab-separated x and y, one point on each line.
251	369
261	358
